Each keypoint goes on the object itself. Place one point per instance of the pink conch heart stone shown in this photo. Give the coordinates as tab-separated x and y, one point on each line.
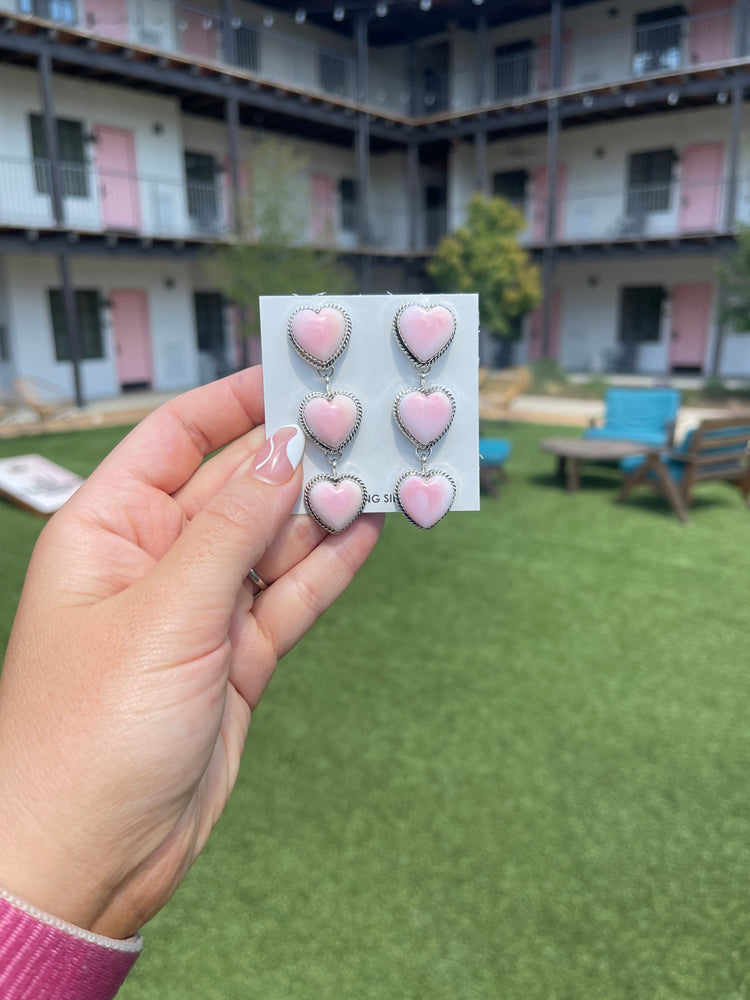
426	331
425	415
319	332
332	420
336	503
425	499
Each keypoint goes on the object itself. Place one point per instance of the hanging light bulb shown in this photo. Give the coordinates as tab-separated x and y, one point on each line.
338	12
425	4
268	20
300	15
381	9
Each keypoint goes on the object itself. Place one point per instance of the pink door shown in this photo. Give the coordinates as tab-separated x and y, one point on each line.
535	329
542	52
710	31
700	186
691	318
539	203
107	17
323	195
118	183
196	33
132	331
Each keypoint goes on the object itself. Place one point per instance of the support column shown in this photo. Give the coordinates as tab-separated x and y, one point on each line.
71	322
57	186
742	20
363	152
57	193
733	155
481	183
553	132
229	53
730	210
412	188
482	53
232	113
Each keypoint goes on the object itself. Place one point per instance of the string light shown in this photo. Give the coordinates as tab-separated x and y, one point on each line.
300	15
338	13
381	9
425	4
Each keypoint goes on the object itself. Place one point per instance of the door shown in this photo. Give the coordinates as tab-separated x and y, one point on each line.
535	329
107	17
691	318
700	186
118	184
710	31
132	331
196	33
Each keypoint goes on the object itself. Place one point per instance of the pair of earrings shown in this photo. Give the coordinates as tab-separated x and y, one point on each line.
332	418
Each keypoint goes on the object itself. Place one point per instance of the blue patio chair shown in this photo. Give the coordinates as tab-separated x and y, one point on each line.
643	415
716	450
493	454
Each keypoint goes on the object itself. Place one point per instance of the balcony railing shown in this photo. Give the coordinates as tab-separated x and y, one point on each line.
100	201
279	57
97	201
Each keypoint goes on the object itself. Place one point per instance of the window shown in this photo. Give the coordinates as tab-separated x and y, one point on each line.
63	11
88	309
513	70
649	182
640	314
202	201
511	185
347	205
436	220
333	73
209	321
72	157
246	47
658	40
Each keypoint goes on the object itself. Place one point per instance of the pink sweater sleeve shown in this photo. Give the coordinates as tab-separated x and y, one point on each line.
44	958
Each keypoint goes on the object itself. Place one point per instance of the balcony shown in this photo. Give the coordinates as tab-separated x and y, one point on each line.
517	73
98	201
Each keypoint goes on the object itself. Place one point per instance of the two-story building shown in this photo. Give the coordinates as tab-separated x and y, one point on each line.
130	127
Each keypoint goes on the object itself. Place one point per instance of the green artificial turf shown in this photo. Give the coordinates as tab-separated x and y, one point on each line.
511	764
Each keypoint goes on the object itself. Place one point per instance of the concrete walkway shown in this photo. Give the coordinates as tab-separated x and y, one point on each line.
129	408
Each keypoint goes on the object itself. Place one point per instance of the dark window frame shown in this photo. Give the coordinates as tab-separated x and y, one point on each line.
512	66
657	42
88	303
640	314
71	142
650	182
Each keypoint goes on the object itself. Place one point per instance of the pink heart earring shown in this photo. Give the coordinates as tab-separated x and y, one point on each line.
331	418
424	414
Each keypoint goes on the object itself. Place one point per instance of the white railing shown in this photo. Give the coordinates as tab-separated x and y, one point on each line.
113	201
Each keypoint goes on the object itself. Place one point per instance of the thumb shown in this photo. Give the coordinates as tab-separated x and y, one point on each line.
203	571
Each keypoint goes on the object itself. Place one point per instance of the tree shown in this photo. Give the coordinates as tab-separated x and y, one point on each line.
272	254
485	256
734	278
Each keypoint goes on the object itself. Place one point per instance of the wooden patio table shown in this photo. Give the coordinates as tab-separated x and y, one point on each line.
572	452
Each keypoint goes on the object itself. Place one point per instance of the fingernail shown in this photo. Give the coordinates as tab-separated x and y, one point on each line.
280	455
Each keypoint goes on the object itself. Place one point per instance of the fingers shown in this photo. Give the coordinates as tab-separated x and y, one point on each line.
198	580
166	448
282	614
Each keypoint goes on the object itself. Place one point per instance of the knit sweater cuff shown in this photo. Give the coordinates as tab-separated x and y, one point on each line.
45	958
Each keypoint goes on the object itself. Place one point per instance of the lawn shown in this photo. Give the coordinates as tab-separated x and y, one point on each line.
511	764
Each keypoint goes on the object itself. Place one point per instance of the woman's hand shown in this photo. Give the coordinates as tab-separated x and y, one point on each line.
139	652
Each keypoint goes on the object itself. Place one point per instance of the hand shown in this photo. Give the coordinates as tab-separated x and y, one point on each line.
139	652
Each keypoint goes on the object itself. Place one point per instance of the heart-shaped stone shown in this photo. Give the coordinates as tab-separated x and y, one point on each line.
424	415
425	332
320	335
425	497
330	421
335	503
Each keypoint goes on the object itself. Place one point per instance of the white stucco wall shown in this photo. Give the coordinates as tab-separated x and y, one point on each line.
171	317
590	312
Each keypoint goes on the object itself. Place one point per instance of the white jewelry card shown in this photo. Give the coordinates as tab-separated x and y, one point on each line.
376	369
